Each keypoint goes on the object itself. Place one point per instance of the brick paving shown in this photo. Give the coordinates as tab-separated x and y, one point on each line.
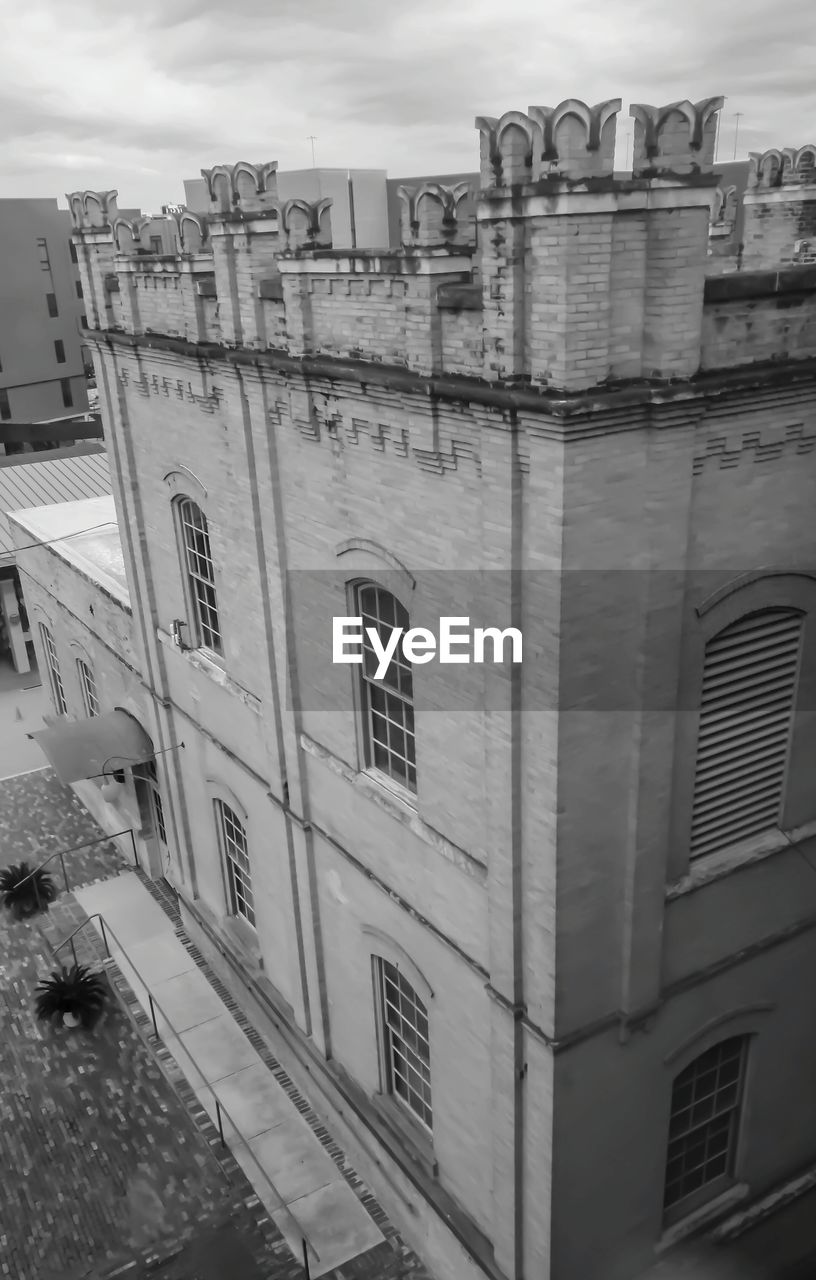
119	1173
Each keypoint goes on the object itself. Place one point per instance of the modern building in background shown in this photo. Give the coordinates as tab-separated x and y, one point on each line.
537	936
42	312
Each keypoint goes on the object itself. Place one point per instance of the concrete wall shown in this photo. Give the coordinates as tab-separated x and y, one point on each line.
28	365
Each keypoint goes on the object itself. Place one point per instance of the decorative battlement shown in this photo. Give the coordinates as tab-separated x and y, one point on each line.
790	167
556	271
430	215
92	210
571	140
192	233
305	224
780	207
130	235
250	188
676	139
724	209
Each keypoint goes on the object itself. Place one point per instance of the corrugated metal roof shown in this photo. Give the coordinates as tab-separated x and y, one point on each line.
40	484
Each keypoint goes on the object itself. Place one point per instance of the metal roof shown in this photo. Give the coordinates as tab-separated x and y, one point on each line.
40	484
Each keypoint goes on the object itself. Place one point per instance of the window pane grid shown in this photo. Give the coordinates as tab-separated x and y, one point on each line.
233	837
88	686
408	1054
53	670
200	574
706	1100
388	703
148	773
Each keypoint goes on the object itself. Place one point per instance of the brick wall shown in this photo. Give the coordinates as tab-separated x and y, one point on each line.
534	907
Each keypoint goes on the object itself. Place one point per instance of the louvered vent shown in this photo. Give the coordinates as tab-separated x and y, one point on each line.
749	685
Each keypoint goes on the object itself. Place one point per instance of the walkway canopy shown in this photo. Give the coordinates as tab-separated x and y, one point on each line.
89	748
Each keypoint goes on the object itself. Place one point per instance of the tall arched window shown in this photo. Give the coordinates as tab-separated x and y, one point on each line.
54	676
87	684
405	1046
235	852
387	703
200	575
704	1125
746	718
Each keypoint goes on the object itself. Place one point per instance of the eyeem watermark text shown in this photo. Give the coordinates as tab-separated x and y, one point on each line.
455	643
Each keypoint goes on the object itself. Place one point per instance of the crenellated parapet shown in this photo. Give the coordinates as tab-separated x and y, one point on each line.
789	167
779	207
242	187
92	210
580	276
130	235
676	139
432	214
572	140
724	207
305	223
192	232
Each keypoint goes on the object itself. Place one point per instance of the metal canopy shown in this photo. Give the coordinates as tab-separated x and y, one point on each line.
81	749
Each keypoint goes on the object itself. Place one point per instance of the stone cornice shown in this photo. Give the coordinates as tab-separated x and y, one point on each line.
578	408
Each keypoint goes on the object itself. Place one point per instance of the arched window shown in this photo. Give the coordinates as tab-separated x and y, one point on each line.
746	718
200	575
704	1125
57	690
235	852
87	684
387	703
405	1046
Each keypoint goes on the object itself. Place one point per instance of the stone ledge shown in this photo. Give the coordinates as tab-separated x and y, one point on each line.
760	284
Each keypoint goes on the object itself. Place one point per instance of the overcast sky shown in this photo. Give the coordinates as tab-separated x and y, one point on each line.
140	95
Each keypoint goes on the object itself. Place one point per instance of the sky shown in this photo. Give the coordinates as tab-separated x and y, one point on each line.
100	94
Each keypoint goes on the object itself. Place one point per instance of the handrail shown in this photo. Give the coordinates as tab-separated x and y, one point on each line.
60	853
220	1109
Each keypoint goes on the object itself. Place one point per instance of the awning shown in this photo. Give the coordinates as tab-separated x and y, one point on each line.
87	748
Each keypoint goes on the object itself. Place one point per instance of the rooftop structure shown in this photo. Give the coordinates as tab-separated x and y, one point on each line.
84	533
51	481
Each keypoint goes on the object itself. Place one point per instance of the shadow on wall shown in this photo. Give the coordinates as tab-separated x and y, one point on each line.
707	1262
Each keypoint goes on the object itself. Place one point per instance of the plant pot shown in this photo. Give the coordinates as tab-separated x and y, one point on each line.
71	1020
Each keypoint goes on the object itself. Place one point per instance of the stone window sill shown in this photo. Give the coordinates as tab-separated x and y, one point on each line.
240	936
371	785
390	790
745	854
213	669
413	1140
714	1209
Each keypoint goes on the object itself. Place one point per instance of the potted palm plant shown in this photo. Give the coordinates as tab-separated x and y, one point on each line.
75	997
25	892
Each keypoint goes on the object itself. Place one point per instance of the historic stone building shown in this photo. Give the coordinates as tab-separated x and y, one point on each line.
540	935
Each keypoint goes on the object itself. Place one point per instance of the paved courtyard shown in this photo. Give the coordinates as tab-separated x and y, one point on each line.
118	1171
109	1165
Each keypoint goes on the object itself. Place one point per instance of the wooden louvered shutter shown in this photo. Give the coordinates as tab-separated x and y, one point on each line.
748	699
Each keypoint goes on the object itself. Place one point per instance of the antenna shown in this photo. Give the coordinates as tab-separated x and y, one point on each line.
311	138
737	115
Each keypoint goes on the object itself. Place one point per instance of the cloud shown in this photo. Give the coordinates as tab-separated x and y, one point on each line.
159	90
